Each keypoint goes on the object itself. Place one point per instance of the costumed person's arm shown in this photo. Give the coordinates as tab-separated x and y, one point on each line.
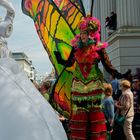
67	63
108	66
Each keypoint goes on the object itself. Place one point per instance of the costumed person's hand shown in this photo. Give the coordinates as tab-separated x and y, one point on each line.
125	75
59	57
120	76
62	118
66	63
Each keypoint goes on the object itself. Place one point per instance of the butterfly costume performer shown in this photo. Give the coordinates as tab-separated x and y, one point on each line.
22	107
78	91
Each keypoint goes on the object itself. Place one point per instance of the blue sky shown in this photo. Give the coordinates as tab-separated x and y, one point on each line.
25	39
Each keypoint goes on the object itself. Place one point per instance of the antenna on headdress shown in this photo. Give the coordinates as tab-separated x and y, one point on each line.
91	10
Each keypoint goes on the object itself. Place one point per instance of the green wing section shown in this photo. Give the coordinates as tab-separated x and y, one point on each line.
56	30
72	11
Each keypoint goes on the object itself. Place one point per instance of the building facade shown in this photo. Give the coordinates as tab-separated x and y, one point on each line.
124	42
25	63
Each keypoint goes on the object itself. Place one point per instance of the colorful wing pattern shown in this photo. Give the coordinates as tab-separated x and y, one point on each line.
56	27
66	4
72	11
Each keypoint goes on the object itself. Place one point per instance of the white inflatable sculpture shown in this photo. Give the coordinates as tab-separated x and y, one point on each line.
6	27
24	113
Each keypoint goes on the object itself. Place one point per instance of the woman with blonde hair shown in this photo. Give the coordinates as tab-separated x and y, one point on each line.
108	103
125	107
108	108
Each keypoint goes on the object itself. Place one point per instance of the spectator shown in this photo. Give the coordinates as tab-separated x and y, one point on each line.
108	103
111	23
115	84
107	21
125	106
136	94
108	107
107	25
44	89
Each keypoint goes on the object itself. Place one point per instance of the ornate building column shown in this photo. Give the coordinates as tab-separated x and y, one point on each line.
127	13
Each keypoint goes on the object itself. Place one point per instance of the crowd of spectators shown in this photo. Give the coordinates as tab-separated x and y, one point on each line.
115	100
126	98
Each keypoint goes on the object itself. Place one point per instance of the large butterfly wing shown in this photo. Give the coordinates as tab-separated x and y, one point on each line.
65	5
72	11
56	33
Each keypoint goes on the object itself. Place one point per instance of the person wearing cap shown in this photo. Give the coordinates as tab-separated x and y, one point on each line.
87	121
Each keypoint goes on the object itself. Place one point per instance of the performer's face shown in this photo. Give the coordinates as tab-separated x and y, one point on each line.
84	36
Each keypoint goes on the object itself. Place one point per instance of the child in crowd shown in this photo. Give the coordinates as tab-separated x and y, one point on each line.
108	107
